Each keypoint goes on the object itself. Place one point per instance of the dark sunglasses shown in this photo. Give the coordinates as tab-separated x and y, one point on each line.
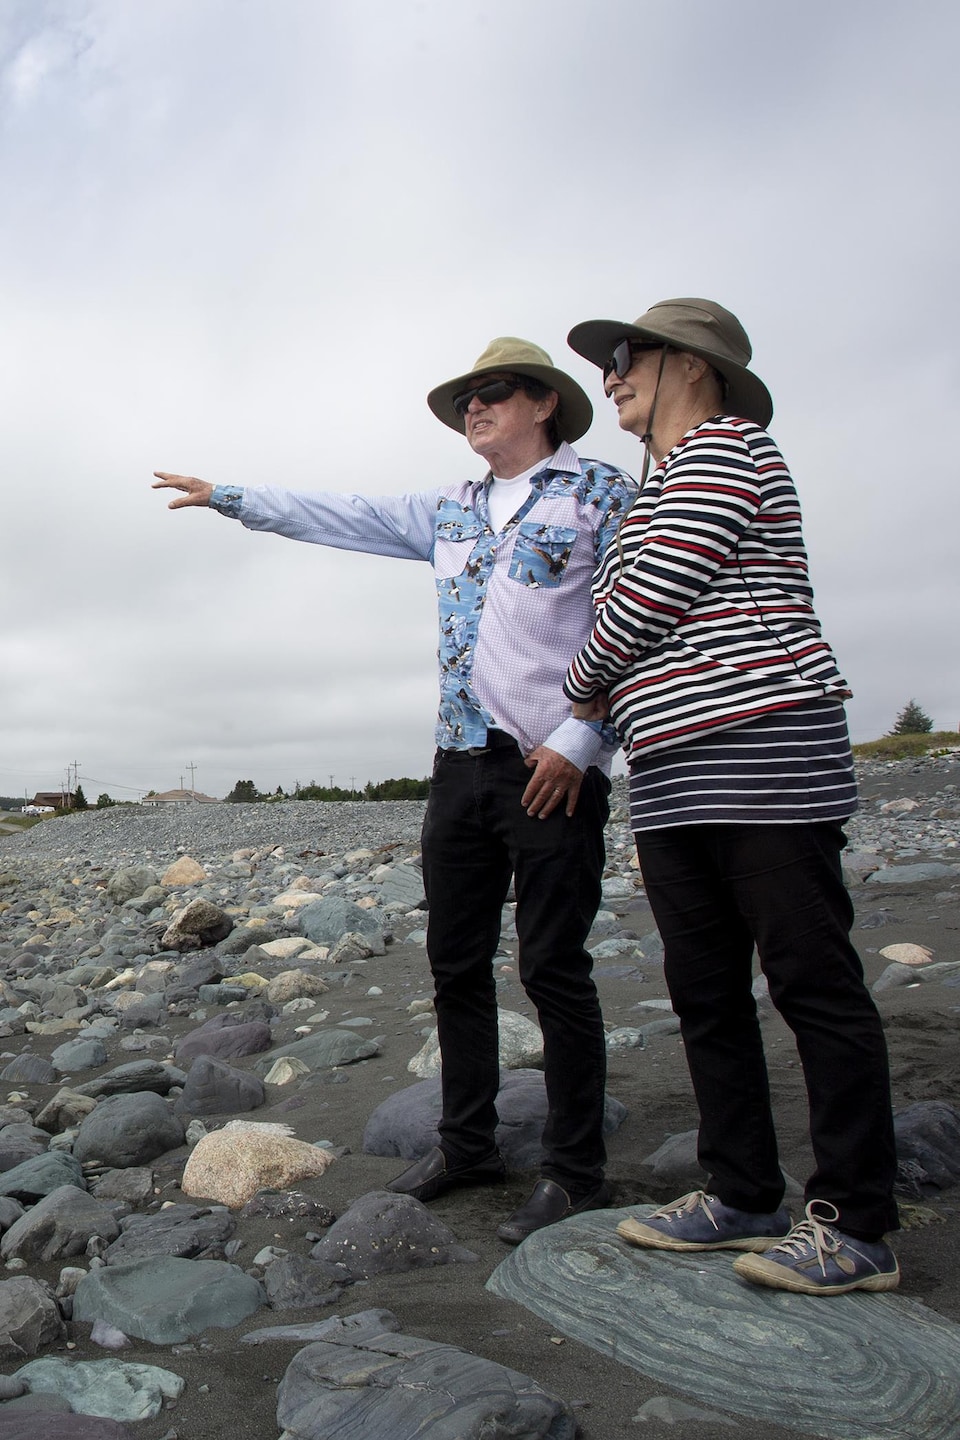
494	392
621	361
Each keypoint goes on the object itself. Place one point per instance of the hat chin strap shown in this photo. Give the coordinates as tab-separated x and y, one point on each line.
646	440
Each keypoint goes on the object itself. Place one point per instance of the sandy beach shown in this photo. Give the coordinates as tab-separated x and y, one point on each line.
231	1389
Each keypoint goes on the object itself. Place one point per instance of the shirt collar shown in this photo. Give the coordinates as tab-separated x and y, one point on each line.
564	460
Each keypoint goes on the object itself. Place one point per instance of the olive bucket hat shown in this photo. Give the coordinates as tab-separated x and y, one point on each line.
700	327
511	356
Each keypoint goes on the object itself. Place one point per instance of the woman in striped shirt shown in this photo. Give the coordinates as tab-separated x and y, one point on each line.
708	656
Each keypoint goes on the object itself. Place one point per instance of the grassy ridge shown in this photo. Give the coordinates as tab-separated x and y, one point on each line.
907	747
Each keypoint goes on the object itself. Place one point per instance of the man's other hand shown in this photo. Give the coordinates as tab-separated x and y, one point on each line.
555	780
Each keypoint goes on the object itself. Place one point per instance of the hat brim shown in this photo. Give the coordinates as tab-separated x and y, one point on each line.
574	412
746	393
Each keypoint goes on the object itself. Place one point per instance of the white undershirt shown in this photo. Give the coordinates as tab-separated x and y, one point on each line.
504	497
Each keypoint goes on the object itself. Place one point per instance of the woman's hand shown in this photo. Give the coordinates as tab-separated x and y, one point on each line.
596	708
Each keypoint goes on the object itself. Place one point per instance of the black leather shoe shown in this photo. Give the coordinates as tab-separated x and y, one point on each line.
548	1204
431	1175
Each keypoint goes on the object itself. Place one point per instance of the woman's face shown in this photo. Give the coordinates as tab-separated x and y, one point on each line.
633	393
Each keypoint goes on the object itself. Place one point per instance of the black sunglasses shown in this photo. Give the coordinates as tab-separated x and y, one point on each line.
621	361
493	392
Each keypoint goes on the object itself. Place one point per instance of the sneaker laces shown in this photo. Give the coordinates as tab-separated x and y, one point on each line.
814	1234
688	1205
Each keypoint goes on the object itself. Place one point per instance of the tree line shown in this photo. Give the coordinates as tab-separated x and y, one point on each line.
245	792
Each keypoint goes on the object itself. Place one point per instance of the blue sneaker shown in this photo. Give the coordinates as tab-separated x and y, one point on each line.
699	1221
818	1259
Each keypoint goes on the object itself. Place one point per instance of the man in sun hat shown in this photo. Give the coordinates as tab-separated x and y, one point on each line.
519	787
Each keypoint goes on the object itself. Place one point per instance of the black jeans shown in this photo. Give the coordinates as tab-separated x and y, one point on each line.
716	890
475	834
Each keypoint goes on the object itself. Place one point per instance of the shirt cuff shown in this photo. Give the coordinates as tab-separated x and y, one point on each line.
580	742
228	499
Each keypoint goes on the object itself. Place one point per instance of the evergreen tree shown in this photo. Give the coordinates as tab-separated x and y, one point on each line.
912	721
80	800
104	801
243	793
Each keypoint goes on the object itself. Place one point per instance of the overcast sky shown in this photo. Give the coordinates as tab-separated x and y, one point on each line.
242	239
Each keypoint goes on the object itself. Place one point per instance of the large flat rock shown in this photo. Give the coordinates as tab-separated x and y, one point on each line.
845	1367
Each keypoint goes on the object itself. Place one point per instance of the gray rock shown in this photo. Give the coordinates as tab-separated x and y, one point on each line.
360	1326
24	1426
137	1010
30	1069
195	926
167	1300
37	1177
393	1386
321	1051
674	1164
403	885
19	1143
383	1233
128	1130
129	881
405	1124
670	1411
897	1359
520	1044
894	977
65	1111
182	1230
325	921
113	1389
79	1055
928	1147
295	1282
911	874
132	1186
134	1076
625	1037
58	1226
203	969
288	1204
10	1210
30	1318
151	899
225	1041
213	1088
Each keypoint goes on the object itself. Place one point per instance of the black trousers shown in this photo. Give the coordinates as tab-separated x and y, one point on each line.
716	891
475	835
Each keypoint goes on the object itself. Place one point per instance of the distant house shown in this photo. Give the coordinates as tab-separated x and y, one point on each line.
181	797
46	800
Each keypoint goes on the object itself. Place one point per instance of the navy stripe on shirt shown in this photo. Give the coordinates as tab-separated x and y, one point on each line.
793	766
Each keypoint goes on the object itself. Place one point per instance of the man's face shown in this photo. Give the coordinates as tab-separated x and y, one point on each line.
506	428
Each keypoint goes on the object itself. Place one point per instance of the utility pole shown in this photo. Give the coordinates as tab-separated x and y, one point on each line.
192	769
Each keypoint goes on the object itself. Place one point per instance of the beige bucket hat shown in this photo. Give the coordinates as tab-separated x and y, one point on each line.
518	357
701	327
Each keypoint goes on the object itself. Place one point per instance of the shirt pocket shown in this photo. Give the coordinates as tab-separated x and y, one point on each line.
457	532
541	554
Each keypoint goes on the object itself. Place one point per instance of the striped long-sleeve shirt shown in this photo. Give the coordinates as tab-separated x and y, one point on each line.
705	613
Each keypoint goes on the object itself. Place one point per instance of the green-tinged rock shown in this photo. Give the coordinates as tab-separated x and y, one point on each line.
846	1368
167	1300
113	1389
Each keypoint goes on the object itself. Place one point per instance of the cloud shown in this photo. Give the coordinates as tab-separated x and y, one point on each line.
247	238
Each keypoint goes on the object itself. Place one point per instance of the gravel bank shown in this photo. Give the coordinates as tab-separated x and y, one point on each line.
133	832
